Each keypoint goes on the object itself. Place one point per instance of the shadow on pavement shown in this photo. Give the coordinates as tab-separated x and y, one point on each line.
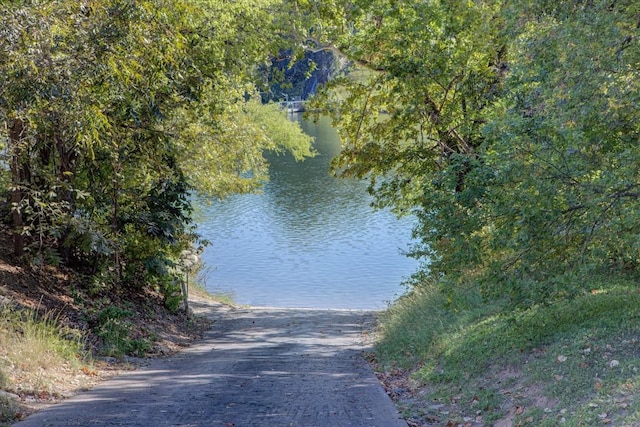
256	367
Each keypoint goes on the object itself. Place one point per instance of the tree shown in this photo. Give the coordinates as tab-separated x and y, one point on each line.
565	143
412	120
114	111
509	128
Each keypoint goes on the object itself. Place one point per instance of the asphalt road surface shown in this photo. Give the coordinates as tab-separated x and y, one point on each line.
255	367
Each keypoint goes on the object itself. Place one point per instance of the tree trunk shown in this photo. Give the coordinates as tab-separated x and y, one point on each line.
67	156
16	134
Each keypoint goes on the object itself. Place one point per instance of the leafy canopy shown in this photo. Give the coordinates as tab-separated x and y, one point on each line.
509	128
113	111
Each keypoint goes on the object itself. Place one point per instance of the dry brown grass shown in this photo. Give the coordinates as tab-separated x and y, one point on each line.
40	361
34	350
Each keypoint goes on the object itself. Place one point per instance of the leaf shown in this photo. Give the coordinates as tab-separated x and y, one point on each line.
88	372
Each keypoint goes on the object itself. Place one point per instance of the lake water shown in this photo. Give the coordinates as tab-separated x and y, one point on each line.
310	240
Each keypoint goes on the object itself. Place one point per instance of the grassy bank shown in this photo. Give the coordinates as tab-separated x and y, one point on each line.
572	362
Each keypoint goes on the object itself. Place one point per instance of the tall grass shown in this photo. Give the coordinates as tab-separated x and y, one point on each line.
411	330
34	350
37	341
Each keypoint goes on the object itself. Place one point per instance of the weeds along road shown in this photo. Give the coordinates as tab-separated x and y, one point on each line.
255	367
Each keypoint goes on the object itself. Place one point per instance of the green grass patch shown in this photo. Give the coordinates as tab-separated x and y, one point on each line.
574	361
117	333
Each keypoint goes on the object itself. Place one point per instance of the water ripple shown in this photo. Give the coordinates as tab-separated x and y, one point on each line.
310	240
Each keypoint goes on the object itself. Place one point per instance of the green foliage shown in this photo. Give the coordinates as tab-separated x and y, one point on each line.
237	139
116	333
509	129
113	112
170	288
564	143
414	124
576	354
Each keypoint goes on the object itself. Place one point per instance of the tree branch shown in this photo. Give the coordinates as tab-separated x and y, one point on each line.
318	46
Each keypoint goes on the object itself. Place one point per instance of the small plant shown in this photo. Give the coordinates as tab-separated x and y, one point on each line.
9	410
171	290
115	330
